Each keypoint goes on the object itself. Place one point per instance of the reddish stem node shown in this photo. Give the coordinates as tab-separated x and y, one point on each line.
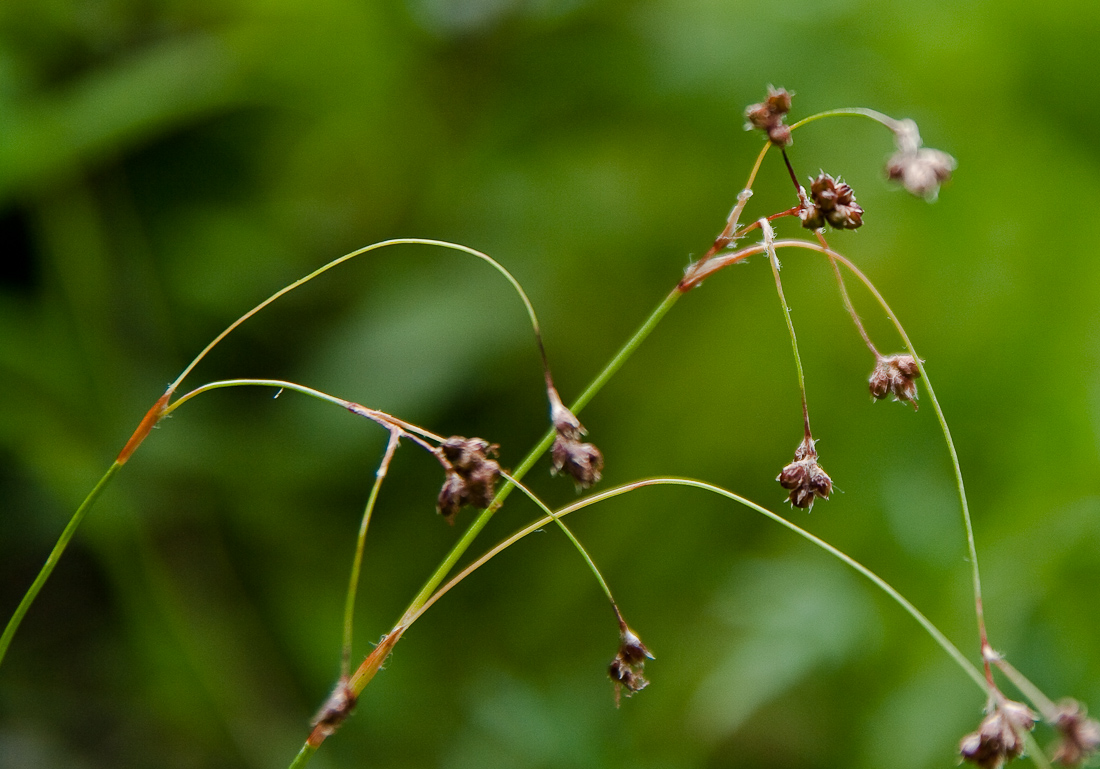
148	422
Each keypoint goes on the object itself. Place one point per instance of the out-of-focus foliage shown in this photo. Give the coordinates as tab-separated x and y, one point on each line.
164	165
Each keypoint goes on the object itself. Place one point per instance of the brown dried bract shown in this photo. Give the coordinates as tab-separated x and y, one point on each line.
768	116
833	202
1080	736
895	375
627	667
1000	738
471	475
336	709
804	477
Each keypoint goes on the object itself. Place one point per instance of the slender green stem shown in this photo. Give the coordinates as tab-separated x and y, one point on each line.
878	117
572	538
539	449
357	561
1035	753
1041	702
622	355
878	581
381	417
276	383
773	260
971	548
302	759
848	300
54	557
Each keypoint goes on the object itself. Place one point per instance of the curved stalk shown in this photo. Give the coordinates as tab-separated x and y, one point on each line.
347	257
773	260
572	538
381	417
878	581
971	548
878	117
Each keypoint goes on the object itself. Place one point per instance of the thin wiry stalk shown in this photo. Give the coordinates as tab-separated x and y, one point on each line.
1035	753
878	581
568	533
359	252
380	417
720	262
848	301
54	557
773	260
1041	702
357	561
971	548
878	117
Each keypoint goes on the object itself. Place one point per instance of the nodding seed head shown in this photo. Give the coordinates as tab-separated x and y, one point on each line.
569	455
1080	736
1000	737
895	375
627	667
804	478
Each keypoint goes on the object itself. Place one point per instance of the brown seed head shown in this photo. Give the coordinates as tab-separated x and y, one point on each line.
1000	738
1080	736
804	478
569	455
831	201
920	170
768	116
895	375
582	461
627	667
471	475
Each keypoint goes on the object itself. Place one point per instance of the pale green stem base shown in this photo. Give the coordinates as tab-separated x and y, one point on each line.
55	556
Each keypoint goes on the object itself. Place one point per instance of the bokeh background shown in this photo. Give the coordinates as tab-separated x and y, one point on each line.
164	165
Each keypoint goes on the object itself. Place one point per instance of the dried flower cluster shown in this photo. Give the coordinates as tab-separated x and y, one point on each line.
768	116
895	375
831	201
1080	736
581	461
471	475
627	667
1000	738
921	170
804	477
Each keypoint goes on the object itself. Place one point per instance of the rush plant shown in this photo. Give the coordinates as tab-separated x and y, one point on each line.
471	477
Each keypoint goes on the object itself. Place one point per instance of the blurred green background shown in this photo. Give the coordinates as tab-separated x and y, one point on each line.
164	165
